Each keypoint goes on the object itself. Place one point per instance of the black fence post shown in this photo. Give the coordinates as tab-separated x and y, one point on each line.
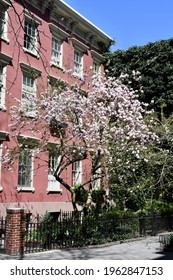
142	225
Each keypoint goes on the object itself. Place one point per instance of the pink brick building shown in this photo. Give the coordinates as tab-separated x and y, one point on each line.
39	42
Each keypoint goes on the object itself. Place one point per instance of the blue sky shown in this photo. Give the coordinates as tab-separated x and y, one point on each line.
129	22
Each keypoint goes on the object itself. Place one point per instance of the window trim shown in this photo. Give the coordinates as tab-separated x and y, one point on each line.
59	35
4	61
78	172
35	21
98	59
81	49
3	87
4	36
30	113
31	143
57	188
97	182
34	73
27	188
60	44
75	73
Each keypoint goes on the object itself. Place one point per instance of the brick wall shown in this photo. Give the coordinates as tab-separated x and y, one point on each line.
15	231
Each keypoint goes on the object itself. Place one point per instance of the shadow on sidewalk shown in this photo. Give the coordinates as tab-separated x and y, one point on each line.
166	255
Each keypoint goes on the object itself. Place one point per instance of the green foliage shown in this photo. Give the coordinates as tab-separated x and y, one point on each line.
154	63
158	206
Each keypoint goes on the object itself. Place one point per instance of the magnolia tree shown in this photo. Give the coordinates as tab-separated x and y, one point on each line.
84	125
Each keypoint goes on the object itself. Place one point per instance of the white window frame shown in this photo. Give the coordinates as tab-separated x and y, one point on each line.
96	77
58	35
30	36
97	182
77	172
2	86
53	184
56	56
78	63
28	187
96	68
79	50
4	21
30	92
97	61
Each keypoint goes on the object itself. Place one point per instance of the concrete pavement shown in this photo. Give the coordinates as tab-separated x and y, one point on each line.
141	249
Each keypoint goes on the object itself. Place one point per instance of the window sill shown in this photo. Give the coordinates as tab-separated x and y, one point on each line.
78	76
5	40
25	189
54	190
56	65
3	108
31	53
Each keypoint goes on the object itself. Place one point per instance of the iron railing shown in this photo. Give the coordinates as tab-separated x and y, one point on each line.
73	229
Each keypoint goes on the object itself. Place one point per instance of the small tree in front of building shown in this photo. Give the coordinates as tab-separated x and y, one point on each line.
78	126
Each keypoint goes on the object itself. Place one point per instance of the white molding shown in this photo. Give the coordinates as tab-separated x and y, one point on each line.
32	17
28	69
25	189
58	32
97	56
54	189
79	45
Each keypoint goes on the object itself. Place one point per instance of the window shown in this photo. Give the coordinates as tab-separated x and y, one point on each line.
56	58
77	172
78	71
53	184
96	73
3	19
79	50
97	61
28	95
30	36
96	68
97	181
58	37
25	169
2	86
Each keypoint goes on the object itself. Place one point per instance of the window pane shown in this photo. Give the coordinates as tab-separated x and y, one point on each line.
56	51
25	168
77	172
2	88
77	63
28	94
30	36
53	163
2	18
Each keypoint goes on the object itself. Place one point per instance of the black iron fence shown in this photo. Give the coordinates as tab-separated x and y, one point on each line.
73	229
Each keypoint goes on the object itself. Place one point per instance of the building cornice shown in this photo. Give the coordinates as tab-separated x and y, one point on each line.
73	22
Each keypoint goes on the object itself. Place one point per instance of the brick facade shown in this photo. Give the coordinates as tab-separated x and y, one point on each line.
15	231
53	19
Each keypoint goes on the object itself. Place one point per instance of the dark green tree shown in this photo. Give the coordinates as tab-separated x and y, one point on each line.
154	62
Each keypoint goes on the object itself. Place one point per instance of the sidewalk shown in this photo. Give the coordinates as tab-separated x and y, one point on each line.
142	249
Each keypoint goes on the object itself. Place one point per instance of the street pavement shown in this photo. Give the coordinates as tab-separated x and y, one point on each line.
147	248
